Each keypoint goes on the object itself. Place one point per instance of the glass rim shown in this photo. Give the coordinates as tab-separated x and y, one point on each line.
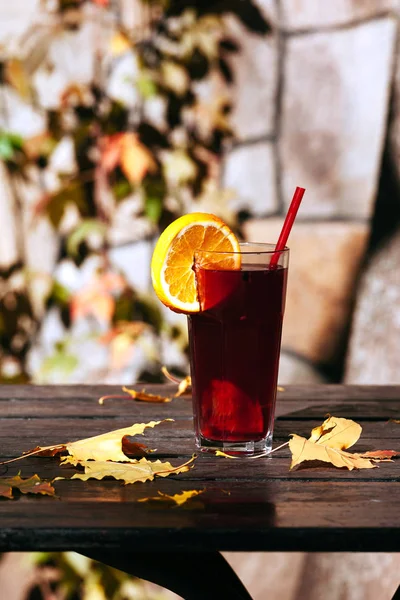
260	248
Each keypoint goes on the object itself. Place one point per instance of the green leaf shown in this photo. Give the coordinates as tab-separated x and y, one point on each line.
61	363
122	189
153	208
9	143
146	87
86	228
60	294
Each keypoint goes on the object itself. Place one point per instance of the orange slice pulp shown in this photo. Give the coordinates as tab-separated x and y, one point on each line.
172	263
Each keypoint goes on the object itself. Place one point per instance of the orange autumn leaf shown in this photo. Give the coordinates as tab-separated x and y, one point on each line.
92	302
126	150
382	455
328	443
133	449
111	147
29	485
136	159
96	299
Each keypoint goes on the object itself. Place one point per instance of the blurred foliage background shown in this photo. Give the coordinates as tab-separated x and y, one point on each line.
125	133
119	132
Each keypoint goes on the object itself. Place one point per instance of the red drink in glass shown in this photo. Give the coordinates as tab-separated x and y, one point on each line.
234	350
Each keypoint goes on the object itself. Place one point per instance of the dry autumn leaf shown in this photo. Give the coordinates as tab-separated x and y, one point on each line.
133	448
142	470
184	385
336	433
143	396
328	443
30	485
107	446
176	499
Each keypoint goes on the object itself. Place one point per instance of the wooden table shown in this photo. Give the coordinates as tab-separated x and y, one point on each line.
248	505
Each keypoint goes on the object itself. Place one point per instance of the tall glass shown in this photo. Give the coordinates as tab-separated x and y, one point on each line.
235	346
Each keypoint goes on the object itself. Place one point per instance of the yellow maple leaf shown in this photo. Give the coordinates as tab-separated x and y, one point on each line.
303	450
177	499
336	432
328	443
136	470
107	446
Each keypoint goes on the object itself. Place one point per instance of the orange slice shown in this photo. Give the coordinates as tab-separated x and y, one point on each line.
173	258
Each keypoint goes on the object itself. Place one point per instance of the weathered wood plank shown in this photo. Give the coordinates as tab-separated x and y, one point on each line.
277	515
210	468
325	393
82	407
55	431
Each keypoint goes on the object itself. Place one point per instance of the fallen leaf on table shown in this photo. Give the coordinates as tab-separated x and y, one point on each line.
382	455
133	448
336	433
107	446
142	470
177	499
328	443
30	485
145	397
184	385
394	421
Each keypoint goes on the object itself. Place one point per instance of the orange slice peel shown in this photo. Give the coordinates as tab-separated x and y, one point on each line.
172	272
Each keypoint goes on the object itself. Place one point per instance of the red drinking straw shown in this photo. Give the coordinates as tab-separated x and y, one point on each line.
287	226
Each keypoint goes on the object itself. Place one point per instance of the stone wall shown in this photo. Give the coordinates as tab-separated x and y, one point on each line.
312	110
